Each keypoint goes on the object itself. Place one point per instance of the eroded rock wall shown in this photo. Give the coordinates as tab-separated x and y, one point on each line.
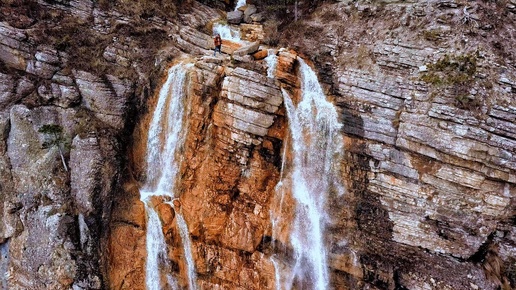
435	207
84	72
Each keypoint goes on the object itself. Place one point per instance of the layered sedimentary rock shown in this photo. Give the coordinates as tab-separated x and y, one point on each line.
425	92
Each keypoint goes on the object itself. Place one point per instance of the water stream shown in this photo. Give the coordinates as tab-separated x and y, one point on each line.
226	31
187	247
240	3
272	61
165	138
4	264
312	176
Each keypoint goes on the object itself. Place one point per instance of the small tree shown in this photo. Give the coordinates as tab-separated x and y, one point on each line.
55	133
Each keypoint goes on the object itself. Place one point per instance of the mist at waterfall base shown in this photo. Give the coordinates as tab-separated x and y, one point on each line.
312	174
165	138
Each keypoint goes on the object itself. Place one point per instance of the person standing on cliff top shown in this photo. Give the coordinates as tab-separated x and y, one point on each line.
218	43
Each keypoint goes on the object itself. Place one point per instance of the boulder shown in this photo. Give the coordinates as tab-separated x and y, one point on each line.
248	49
251	32
258	17
235	17
245	58
229	46
261	54
250	10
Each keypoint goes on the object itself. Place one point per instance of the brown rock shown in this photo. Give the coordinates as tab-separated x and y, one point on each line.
252	32
229	46
261	54
166	213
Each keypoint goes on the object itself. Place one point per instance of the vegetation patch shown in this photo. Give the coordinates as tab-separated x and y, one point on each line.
432	35
457	74
55	137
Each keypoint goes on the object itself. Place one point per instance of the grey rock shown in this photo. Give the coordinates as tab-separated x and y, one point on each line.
198	40
7	83
45	93
85	172
211	59
14	50
107	100
235	17
40	187
241	118
65	96
248	49
30	162
245	58
25	87
258	17
252	90
247	19
250	10
45	63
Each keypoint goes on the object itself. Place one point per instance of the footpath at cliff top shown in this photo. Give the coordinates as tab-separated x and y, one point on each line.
425	90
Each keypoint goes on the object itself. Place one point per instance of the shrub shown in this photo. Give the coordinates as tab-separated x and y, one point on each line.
456	73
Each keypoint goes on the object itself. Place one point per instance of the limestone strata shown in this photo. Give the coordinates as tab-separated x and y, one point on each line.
429	165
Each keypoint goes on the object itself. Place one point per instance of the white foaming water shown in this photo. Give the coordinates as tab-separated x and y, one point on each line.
4	264
165	134
313	175
187	246
165	138
240	3
272	61
227	32
156	250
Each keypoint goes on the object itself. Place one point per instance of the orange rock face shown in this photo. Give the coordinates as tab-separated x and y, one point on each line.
260	54
126	244
226	187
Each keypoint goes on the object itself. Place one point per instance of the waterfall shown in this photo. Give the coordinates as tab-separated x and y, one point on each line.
316	146
156	251
165	138
4	264
240	3
187	246
272	61
227	32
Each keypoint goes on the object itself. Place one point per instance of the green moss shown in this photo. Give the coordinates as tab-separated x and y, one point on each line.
449	71
456	74
432	35
431	78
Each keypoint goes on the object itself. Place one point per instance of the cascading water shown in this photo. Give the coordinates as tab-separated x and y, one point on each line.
166	136
316	146
4	262
240	3
156	252
271	60
187	246
226	31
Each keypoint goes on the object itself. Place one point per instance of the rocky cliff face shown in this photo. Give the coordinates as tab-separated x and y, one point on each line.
425	91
